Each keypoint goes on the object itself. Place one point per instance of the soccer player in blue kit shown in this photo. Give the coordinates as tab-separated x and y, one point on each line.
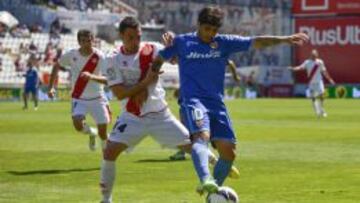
32	81
202	58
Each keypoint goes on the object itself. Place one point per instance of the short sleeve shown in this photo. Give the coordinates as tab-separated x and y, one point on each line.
65	60
237	43
103	63
112	73
171	51
157	48
303	65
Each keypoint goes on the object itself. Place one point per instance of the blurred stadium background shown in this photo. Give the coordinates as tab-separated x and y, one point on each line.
45	28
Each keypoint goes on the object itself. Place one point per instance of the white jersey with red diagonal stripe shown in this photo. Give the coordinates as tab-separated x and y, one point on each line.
75	62
127	70
309	65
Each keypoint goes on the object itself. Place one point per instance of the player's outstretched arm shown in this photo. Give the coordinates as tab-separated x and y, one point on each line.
296	68
97	78
53	76
267	41
328	77
232	67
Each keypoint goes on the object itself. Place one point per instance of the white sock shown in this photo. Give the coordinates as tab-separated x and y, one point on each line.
321	105
316	105
212	158
107	179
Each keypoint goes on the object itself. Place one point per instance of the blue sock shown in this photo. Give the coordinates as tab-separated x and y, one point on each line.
200	157
221	170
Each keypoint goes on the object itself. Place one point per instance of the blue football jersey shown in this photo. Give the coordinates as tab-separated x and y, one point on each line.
31	78
201	65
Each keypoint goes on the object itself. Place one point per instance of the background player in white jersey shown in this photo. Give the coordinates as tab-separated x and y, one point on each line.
315	69
87	89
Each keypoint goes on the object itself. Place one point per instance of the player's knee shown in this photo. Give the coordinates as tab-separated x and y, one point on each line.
102	130
113	150
227	154
78	122
78	127
204	136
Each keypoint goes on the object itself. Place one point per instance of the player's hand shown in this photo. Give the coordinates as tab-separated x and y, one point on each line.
152	76
298	39
51	93
237	78
332	82
141	97
86	75
168	38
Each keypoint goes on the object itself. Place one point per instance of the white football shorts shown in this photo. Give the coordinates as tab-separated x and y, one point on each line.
316	89
162	126
98	108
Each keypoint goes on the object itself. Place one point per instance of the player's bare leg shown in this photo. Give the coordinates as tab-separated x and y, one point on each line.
35	98
108	169
81	126
102	132
25	98
227	156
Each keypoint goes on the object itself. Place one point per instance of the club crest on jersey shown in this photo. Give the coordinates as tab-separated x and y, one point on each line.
94	60
74	59
146	50
214	45
124	63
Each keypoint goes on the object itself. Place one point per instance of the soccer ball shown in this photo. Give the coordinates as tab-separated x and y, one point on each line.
224	195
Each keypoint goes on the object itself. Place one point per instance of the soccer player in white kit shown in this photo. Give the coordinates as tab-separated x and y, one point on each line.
315	69
144	109
87	87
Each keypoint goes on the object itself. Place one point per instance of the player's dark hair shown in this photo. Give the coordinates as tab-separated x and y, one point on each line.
83	33
128	22
211	15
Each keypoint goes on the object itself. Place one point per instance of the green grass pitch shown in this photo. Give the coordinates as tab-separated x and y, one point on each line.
285	155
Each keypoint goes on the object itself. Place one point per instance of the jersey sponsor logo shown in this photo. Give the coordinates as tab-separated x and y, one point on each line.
111	73
196	55
189	43
130	77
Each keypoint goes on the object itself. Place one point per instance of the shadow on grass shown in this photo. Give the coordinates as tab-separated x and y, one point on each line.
157	161
51	172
